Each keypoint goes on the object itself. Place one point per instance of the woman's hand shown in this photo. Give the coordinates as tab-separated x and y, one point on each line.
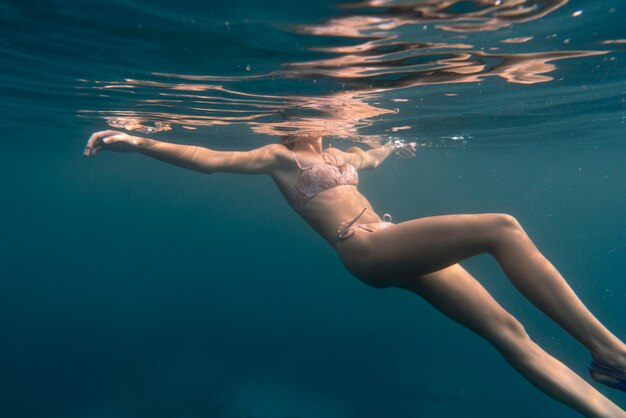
112	141
406	150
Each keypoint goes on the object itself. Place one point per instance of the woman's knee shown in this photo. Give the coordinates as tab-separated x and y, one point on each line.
513	328
504	228
511	337
504	220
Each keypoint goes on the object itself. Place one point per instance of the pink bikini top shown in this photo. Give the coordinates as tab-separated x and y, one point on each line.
316	178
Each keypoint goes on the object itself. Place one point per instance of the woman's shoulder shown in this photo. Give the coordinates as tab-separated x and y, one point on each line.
273	150
275	154
352	155
332	150
277	150
346	154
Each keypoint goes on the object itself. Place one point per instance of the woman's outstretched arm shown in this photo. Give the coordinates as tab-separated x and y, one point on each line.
372	158
257	161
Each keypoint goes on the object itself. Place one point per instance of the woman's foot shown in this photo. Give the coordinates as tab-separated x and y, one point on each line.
607	374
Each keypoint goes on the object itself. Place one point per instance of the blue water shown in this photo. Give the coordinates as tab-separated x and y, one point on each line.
129	288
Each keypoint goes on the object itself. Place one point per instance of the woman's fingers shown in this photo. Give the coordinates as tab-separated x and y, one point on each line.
411	149
91	144
94	144
406	150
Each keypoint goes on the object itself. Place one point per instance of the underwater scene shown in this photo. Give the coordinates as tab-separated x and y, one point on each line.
131	288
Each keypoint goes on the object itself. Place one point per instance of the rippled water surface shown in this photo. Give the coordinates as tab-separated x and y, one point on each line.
132	289
431	70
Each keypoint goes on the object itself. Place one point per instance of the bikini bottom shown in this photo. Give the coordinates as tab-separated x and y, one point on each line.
347	229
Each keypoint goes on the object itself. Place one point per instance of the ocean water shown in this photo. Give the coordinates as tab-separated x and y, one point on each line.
131	289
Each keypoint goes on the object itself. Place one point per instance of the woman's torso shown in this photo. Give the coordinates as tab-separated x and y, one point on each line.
323	190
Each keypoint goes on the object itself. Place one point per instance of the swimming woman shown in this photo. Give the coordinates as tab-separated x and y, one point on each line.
420	255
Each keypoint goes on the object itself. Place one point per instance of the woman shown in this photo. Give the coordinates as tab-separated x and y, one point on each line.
420	255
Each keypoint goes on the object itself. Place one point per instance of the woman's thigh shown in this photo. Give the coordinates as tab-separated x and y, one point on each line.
421	246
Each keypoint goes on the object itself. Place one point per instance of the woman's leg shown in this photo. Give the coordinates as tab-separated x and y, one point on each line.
458	295
425	245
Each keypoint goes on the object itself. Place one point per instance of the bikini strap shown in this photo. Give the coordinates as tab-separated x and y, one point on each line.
296	159
344	228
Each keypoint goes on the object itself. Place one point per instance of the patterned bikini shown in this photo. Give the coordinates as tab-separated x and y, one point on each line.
317	178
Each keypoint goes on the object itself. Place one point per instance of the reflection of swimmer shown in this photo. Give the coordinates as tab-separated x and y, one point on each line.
420	255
